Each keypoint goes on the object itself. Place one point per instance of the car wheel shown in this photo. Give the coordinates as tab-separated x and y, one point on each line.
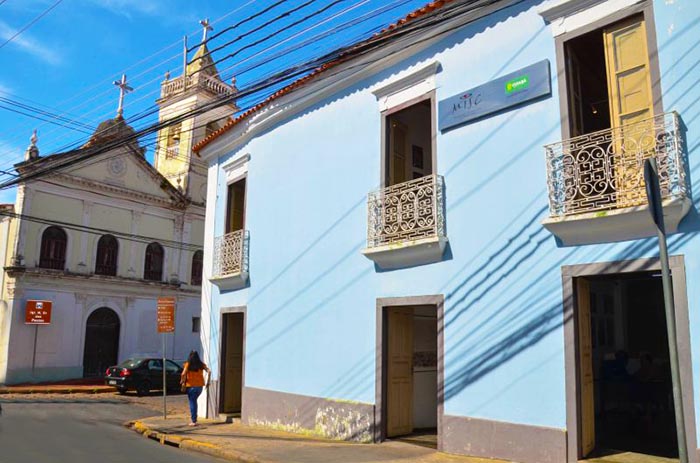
143	388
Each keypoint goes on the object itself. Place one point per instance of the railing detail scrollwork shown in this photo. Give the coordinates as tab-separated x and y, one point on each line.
407	211
604	170
231	254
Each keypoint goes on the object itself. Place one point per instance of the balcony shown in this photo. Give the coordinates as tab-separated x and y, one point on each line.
231	260
172	87
406	223
596	182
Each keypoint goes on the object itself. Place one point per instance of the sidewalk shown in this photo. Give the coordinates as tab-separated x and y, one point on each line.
248	444
70	386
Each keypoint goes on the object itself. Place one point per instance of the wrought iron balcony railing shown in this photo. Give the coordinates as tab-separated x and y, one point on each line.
231	254
605	170
407	211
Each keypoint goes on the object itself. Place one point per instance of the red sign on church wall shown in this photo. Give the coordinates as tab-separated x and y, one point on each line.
38	313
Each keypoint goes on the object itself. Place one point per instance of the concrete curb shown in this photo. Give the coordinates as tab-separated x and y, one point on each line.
59	390
188	443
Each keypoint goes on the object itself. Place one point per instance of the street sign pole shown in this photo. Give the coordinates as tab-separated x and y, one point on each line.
165	323
36	334
653	191
165	385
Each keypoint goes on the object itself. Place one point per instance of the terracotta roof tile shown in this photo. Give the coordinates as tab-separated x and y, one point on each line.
232	122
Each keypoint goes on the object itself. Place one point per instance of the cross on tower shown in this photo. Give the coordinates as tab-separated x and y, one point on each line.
207	27
123	90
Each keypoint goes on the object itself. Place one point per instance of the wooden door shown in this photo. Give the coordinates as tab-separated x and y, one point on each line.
398	149
399	371
585	348
233	363
629	91
235	206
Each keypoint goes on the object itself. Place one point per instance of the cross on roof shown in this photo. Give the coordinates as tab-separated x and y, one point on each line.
123	90
207	27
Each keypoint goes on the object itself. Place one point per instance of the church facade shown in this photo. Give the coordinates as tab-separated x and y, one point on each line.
103	239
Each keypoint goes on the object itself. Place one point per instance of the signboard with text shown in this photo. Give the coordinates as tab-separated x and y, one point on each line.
510	90
38	312
165	315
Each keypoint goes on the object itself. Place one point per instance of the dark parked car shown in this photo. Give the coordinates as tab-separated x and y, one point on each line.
143	374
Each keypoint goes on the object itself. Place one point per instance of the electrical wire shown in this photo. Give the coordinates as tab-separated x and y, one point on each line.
178	56
31	23
266	61
136	238
357	49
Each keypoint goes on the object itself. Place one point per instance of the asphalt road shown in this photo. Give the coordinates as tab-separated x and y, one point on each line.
36	430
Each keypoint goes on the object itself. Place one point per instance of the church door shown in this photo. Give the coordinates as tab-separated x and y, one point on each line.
101	342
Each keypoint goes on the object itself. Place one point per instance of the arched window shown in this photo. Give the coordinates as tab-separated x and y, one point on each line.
53	248
153	266
107	252
196	276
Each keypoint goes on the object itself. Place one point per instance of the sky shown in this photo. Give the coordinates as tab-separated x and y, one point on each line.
65	63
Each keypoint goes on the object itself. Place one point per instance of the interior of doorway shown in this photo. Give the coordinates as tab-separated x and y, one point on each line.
232	363
626	397
101	342
411	386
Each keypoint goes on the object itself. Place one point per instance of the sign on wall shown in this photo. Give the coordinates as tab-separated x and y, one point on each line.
165	315
37	312
510	90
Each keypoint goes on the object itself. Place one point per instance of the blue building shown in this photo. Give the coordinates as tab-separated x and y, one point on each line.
445	231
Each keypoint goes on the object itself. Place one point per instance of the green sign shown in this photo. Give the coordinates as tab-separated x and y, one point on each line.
518	84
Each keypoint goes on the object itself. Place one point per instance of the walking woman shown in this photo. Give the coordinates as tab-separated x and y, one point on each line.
193	380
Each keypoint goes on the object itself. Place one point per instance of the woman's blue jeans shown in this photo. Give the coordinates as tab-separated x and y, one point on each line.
193	394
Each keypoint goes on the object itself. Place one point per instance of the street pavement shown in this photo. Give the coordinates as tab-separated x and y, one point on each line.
80	429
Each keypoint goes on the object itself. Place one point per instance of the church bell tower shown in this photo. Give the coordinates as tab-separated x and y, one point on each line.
199	85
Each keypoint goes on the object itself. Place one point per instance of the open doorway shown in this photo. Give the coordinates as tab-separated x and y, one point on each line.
625	389
409	138
101	342
232	355
410	391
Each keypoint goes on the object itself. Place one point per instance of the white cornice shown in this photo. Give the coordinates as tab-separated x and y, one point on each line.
426	72
568	15
99	285
158	210
555	9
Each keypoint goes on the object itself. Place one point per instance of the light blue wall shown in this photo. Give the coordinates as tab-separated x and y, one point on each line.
312	295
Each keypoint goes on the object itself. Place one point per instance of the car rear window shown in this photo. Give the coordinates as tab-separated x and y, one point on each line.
131	363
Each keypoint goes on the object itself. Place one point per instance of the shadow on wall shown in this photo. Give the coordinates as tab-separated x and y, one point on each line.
525	318
521	321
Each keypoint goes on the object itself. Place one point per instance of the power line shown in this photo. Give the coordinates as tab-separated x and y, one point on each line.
344	53
31	23
143	239
380	11
93	97
52	118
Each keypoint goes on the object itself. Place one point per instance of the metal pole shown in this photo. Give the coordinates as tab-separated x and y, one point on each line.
165	385
671	328
36	332
184	62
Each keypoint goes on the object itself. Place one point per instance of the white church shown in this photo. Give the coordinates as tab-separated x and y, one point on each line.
106	237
